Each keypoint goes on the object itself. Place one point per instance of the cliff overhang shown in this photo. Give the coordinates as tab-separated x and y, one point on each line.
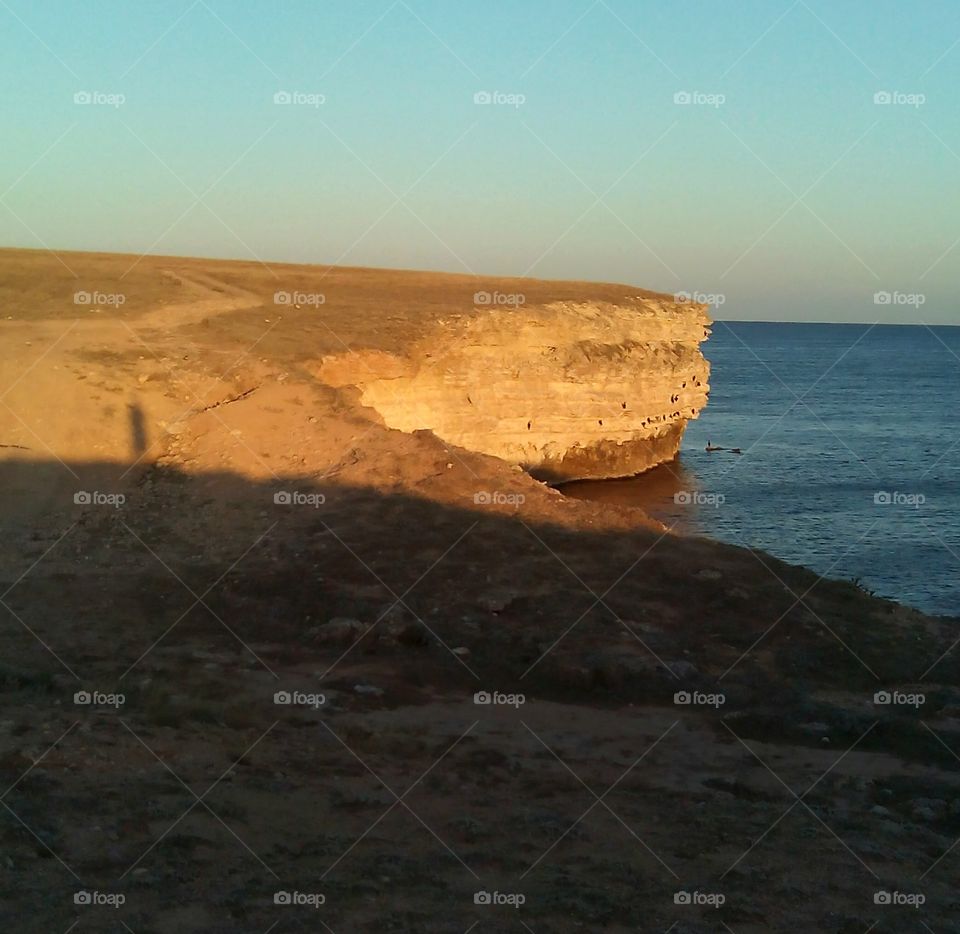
567	390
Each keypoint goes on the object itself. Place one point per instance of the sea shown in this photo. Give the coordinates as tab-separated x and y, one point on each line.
850	455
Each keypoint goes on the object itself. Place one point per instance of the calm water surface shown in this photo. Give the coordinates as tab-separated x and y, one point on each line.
851	455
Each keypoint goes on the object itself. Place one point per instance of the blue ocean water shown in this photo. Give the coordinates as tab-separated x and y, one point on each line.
851	455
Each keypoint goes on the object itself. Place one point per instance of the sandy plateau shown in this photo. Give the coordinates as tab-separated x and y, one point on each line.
209	505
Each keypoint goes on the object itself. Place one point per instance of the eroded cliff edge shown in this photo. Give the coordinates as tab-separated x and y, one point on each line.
567	389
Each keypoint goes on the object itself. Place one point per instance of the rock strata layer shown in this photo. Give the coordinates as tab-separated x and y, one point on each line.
567	390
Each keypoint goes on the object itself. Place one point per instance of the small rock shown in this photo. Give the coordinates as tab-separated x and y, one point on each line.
338	631
462	651
928	809
497	601
368	689
709	574
411	634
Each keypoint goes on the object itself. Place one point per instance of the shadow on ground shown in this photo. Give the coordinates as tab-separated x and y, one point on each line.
227	702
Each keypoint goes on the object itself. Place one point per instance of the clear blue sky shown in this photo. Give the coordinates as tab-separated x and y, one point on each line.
597	174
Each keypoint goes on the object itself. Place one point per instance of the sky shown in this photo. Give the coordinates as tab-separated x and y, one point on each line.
783	159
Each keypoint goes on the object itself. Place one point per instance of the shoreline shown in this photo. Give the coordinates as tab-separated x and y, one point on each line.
639	499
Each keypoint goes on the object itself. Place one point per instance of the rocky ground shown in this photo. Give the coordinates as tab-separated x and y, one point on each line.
249	634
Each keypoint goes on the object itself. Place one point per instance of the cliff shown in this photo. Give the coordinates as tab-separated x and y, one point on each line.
183	440
568	389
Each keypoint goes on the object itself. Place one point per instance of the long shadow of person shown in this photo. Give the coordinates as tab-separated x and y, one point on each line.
138	429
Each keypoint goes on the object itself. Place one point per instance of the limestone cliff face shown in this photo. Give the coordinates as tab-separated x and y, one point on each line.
568	390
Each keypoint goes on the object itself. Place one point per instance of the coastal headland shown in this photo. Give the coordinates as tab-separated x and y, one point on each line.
288	608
